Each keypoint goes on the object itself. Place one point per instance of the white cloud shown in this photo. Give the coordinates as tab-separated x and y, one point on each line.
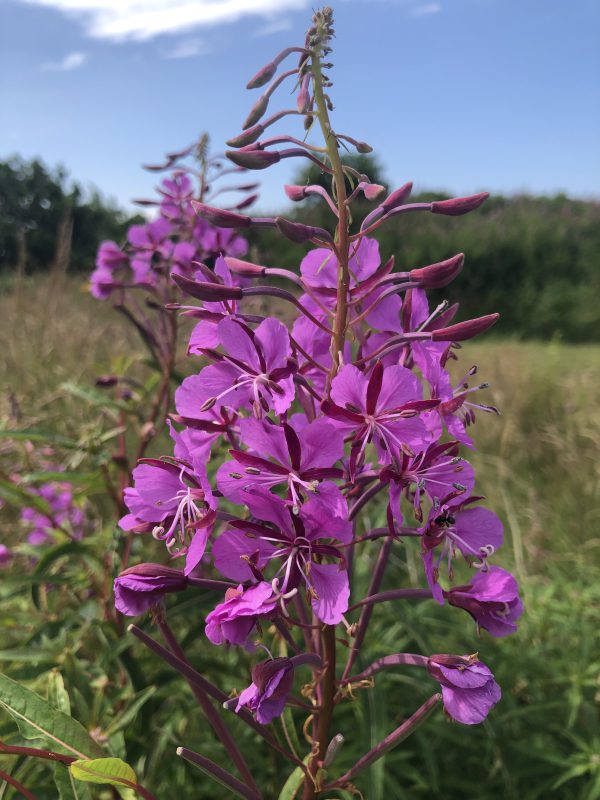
188	48
69	62
276	26
120	20
427	9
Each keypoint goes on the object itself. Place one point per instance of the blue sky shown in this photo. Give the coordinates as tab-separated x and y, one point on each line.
464	95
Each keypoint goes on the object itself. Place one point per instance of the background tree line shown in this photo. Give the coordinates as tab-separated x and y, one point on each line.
534	259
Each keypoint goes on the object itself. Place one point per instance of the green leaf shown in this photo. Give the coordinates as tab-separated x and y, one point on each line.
37	719
130	713
39	436
113	771
57	694
293	783
16	496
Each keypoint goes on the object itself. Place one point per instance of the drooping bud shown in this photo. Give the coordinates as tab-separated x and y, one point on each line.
263	76
220	217
458	206
299	233
435	276
303	98
253	159
372	190
248	136
245	268
295	193
256	112
209	292
464	330
139	588
397	197
246	202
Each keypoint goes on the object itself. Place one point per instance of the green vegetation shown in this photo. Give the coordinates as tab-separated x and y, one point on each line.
538	466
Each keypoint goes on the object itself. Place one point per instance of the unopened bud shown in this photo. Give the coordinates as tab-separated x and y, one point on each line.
333	749
464	330
458	205
397	197
244	268
247	137
372	190
209	292
219	217
303	98
295	193
363	147
263	76
299	233
435	276
253	159
247	201
256	112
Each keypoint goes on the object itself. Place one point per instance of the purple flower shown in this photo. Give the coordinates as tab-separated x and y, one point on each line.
139	588
63	514
175	503
205	334
255	372
298	543
382	408
297	454
271	685
468	687
437	471
110	256
5	555
491	598
476	532
233	619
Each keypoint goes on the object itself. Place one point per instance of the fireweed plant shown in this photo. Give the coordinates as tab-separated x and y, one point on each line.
350	405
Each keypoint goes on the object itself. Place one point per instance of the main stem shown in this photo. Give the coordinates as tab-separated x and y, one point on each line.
327	678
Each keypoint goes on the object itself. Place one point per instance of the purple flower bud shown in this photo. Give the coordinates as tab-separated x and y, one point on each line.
492	599
468	687
263	76
372	190
256	112
459	205
271	685
295	193
253	159
220	217
435	276
139	588
303	98
248	136
363	147
209	292
246	202
245	268
299	233
397	197
465	330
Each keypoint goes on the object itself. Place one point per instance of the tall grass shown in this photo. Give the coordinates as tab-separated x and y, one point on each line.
538	466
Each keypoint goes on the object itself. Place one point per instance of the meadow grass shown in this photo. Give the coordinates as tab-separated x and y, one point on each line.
538	466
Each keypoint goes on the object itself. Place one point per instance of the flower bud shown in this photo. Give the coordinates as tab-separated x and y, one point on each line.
295	193
363	147
245	268
303	97
219	217
256	112
138	588
464	330
209	292
263	76
397	197
435	276
372	190
299	233
248	136
458	205
247	201
253	159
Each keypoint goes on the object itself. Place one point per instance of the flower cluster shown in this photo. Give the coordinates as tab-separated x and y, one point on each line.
58	512
176	239
352	403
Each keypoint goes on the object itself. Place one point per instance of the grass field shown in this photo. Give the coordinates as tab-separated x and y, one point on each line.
538	466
